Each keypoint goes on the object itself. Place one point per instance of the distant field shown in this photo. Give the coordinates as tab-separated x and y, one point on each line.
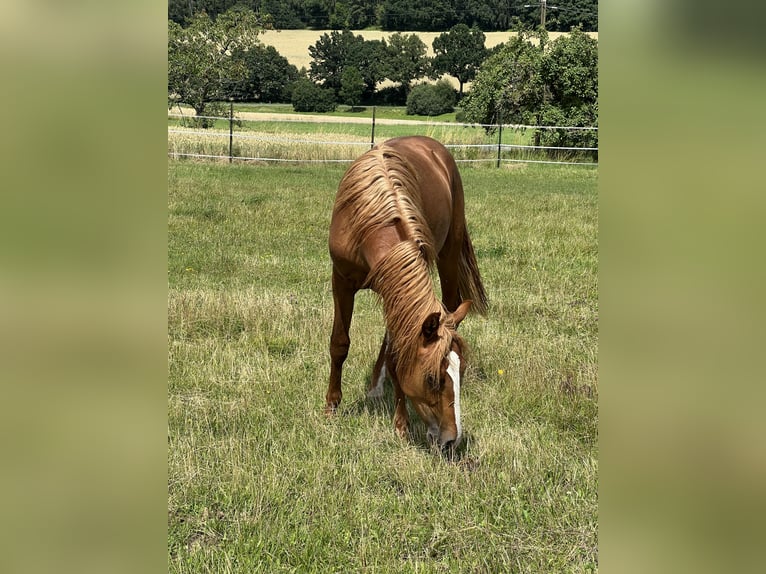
294	44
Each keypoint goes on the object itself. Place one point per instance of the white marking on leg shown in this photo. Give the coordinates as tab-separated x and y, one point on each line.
453	370
377	390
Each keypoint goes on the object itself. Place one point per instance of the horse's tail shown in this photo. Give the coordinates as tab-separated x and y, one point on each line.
469	279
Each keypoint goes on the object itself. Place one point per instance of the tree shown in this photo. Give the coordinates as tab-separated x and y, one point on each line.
508	85
330	55
316	14
267	78
423	15
459	53
393	15
285	13
370	58
352	87
361	14
201	64
407	59
555	87
569	69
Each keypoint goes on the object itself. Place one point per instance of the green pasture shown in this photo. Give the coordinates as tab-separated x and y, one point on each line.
260	480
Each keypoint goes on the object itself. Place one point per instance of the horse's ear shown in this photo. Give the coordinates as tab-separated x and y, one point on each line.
461	312
430	327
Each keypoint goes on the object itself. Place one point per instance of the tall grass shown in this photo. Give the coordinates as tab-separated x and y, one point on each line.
317	141
259	480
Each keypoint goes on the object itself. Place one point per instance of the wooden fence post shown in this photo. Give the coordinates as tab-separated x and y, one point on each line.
372	137
231	127
499	135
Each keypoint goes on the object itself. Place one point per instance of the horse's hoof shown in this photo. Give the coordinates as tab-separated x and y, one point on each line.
330	410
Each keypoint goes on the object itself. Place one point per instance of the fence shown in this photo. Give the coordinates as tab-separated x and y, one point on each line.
341	140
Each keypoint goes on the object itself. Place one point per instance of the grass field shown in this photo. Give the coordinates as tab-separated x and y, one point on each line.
272	132
259	480
310	140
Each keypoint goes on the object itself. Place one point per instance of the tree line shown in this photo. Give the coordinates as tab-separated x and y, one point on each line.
214	60
527	80
401	15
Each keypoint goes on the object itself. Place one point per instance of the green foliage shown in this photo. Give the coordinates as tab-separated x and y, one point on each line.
309	97
407	59
330	55
316	14
431	99
369	57
459	53
401	15
570	72
573	13
268	75
352	87
362	14
337	51
508	85
421	15
570	69
202	67
286	14
524	84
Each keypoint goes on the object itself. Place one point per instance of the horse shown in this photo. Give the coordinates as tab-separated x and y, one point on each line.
399	210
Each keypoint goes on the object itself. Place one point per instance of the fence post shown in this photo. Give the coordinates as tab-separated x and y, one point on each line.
499	136
231	127
372	137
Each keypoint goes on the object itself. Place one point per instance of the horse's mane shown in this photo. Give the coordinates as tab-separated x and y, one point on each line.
403	281
380	189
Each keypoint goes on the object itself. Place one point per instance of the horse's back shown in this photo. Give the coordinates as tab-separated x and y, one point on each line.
434	165
431	177
440	186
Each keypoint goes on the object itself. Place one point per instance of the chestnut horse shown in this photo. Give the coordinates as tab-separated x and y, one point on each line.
398	211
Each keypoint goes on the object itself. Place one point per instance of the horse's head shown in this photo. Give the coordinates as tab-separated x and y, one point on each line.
433	382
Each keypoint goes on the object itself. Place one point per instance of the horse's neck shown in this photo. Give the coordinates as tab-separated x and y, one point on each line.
404	284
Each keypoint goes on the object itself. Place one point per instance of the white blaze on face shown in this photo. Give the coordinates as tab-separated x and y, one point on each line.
453	370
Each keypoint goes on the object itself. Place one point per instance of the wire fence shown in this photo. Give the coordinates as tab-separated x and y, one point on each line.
339	140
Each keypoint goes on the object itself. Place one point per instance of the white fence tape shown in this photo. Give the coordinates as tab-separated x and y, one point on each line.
211	133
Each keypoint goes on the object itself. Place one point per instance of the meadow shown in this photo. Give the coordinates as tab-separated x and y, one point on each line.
271	131
260	480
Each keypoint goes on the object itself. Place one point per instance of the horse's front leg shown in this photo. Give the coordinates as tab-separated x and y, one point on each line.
343	299
401	418
379	371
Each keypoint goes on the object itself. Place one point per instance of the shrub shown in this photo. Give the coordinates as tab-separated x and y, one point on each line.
431	99
391	96
308	97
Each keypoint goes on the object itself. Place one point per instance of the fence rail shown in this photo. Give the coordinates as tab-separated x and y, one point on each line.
325	145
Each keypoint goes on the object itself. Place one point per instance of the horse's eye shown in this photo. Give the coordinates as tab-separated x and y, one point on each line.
434	383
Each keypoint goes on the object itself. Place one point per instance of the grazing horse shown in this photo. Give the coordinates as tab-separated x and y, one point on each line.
398	211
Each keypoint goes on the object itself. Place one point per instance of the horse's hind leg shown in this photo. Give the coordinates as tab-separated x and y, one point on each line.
448	266
379	371
343	299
